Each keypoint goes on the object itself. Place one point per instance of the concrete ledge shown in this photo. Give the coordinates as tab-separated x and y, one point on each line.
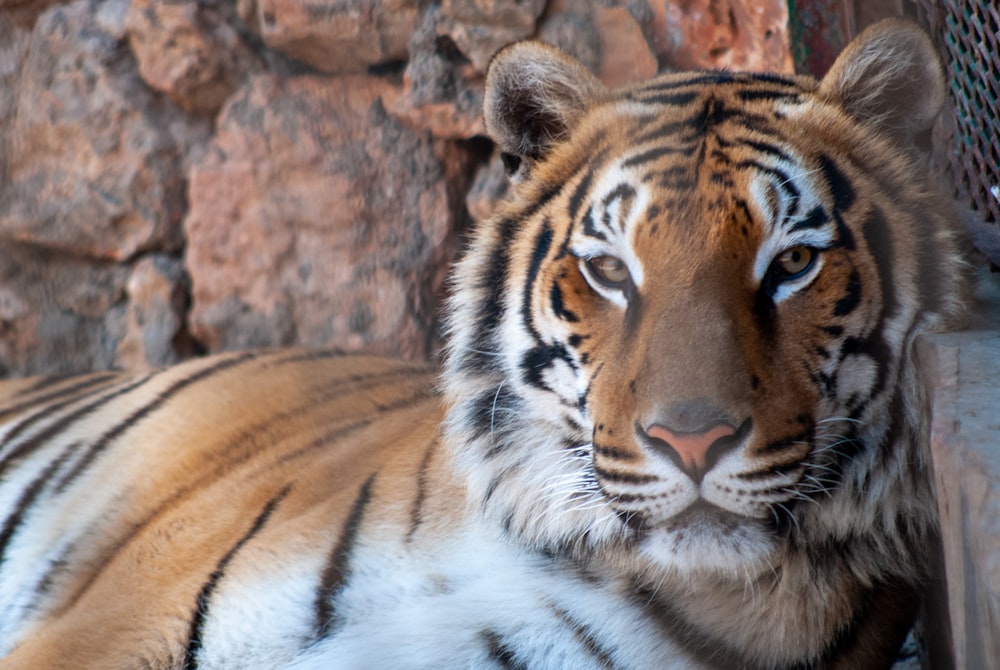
962	371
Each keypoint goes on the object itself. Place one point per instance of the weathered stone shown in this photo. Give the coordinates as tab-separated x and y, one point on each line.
336	36
95	160
317	218
188	51
625	56
573	32
155	329
14	41
732	34
480	27
442	90
57	313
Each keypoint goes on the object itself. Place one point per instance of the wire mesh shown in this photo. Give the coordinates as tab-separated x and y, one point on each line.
968	35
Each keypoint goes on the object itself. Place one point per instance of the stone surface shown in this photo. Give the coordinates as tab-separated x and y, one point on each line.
94	161
188	51
335	36
442	90
57	314
158	293
625	56
963	375
733	34
480	27
317	218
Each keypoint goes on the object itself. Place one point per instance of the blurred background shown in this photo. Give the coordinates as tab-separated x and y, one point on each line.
188	176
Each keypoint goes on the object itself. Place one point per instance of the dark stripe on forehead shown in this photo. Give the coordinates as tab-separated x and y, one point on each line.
816	218
840	187
590	227
878	237
667	99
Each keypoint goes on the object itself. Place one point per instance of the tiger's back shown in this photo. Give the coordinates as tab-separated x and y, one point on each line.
195	474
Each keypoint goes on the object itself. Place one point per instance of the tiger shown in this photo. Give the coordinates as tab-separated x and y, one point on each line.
677	423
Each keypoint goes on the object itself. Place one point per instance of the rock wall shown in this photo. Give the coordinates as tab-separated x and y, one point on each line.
187	176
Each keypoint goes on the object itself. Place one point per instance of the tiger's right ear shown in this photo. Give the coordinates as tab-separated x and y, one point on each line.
534	94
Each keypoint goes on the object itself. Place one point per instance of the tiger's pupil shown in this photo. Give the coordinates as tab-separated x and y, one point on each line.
609	269
795	261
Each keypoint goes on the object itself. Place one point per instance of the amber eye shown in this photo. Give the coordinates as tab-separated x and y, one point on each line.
793	263
609	270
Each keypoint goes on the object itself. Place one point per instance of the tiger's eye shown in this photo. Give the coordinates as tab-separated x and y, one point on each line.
609	270
795	261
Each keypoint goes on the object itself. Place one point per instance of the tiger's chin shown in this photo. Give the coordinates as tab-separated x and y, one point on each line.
705	540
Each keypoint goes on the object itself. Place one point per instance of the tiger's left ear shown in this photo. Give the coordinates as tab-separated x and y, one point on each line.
534	95
889	77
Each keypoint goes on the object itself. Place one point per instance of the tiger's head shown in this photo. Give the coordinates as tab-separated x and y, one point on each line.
685	337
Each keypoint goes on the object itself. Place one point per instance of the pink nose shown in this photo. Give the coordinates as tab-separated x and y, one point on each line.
691	447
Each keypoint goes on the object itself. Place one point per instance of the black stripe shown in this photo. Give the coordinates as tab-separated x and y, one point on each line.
44	383
586	639
625	194
784	181
669	99
559	307
417	511
851	298
28	498
750	95
877	236
536	360
338	566
492	281
481	410
840	187
135	417
541	247
589	225
53	429
580	193
658	152
622	477
816	218
310	355
203	602
766	148
500	652
74	391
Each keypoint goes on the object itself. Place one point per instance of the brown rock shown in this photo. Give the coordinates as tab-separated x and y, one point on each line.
625	56
58	314
94	162
731	34
188	51
155	329
336	36
442	90
575	33
480	27
319	219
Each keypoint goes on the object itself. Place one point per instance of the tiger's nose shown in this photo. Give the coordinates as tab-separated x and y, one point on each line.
694	452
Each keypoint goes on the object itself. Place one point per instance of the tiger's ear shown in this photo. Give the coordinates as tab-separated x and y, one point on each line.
534	95
888	77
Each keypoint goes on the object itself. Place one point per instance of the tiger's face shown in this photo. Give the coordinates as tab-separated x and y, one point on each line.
687	333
